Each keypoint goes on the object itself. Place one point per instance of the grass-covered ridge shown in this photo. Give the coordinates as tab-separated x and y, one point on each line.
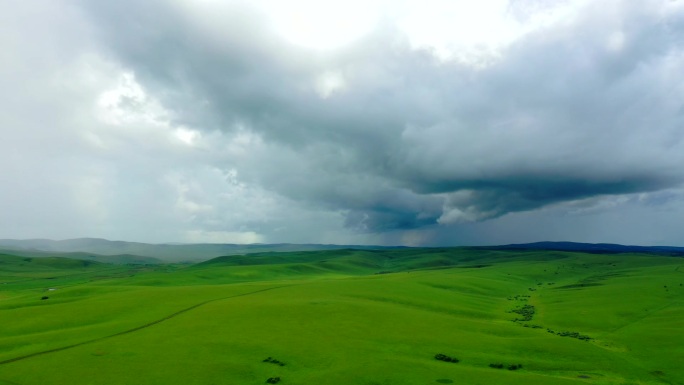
397	316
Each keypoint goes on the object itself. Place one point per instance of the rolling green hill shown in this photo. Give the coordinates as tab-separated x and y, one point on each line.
99	248
347	317
113	259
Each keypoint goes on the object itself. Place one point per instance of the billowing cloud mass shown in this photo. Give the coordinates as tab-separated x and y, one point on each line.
387	122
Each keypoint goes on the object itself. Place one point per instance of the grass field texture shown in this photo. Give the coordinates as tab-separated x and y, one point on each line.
346	317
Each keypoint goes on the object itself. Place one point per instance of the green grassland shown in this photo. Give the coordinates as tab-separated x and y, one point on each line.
346	317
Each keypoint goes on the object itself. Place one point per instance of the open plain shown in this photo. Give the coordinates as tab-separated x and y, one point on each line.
405	316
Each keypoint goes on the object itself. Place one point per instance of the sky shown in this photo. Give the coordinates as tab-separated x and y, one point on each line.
418	123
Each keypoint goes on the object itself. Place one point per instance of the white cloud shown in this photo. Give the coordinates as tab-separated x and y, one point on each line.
477	33
329	83
187	136
322	25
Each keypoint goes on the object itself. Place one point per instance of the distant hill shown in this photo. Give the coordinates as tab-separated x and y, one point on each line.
594	248
111	259
120	252
10	262
163	252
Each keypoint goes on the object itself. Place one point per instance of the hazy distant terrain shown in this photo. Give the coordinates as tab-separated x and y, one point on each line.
346	316
599	248
115	259
102	250
130	252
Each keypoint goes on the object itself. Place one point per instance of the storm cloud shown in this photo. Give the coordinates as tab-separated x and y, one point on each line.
209	119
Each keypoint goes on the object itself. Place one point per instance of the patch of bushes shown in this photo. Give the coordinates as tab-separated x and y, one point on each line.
527	312
570	334
509	366
532	326
273	380
518	298
445	358
273	361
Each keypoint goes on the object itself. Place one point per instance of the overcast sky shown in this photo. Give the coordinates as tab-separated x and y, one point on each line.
431	122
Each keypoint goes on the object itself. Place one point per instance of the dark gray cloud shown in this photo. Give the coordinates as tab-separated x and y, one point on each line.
589	107
212	122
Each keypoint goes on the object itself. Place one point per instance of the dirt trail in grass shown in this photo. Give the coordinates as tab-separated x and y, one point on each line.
135	329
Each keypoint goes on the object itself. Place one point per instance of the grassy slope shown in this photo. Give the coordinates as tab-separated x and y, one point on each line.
333	320
113	259
170	253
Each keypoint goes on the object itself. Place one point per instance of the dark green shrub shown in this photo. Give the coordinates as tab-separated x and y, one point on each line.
273	361
445	358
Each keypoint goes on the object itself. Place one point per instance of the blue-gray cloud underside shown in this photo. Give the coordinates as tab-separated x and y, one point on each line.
412	141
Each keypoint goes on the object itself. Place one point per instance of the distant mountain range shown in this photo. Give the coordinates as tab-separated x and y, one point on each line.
103	250
594	248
